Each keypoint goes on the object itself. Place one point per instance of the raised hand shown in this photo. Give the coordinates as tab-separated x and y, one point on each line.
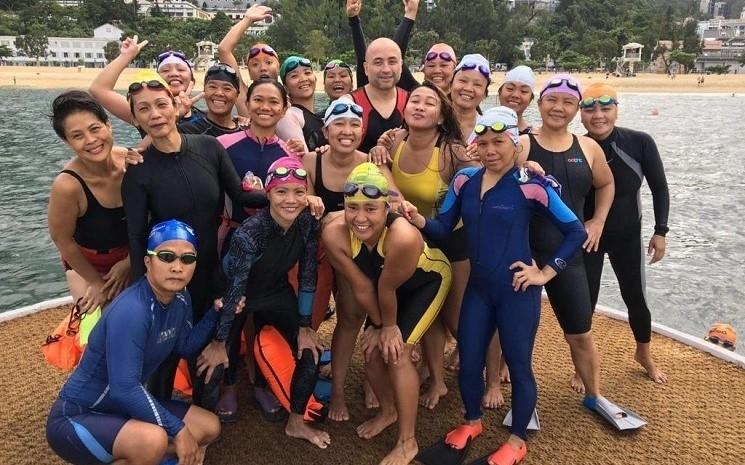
257	13
130	47
354	7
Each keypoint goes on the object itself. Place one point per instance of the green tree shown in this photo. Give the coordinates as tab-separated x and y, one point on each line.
5	51
111	50
719	69
33	44
9	25
317	45
218	27
570	60
687	60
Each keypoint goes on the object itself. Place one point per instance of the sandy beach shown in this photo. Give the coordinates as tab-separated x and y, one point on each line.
67	78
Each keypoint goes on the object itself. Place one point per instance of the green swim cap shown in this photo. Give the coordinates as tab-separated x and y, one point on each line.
291	63
366	182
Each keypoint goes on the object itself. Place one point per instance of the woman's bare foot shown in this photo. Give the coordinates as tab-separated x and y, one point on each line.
377	424
504	372
416	354
431	396
297	428
402	454
338	410
227	406
577	383
645	360
371	400
493	397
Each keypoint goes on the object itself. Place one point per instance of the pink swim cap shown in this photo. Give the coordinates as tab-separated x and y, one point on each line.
562	84
286	170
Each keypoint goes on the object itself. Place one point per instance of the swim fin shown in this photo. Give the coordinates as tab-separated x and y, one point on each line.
621	418
440	453
534	425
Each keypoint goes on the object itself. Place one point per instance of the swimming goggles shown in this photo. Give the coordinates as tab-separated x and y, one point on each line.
292	63
444	56
334	63
283	172
166	256
557	82
483	69
138	86
499	126
341	108
603	100
368	190
266	49
214	69
715	340
171	53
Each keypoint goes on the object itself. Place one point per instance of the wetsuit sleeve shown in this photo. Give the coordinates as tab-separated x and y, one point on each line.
360	49
192	339
125	356
654	171
449	215
401	36
231	183
546	199
308	268
135	199
244	252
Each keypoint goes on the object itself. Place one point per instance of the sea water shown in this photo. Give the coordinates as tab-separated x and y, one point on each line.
701	138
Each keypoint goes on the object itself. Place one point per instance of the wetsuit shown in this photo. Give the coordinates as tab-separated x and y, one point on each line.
261	254
420	298
373	123
332	201
205	126
312	129
497	229
188	186
100	233
401	36
568	293
426	190
632	156
134	336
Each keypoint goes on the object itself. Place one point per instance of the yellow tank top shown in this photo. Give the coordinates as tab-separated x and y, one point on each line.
424	189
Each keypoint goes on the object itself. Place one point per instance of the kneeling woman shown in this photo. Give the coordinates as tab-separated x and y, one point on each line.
496	203
104	414
401	283
262	251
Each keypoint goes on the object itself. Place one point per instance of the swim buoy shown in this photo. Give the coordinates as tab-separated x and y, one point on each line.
277	364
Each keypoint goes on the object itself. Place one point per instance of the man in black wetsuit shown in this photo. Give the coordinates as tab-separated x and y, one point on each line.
221	89
632	156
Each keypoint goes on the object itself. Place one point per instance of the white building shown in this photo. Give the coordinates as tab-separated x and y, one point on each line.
211	5
177	9
721	28
546	5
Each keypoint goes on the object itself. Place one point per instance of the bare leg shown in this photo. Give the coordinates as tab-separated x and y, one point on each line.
349	319
586	362
203	425
403	375
380	382
76	283
140	443
643	356
297	428
433	345
493	397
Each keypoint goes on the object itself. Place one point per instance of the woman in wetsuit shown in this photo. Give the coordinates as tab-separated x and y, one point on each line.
401	283
300	81
103	413
496	204
183	177
263	250
86	216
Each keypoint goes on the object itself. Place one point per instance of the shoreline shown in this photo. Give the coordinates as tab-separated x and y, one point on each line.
32	77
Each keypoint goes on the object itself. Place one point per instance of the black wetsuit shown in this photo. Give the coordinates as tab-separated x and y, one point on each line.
332	201
312	129
205	126
373	123
568	292
632	156
188	186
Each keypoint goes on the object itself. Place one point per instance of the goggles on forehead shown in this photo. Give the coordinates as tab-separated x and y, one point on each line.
557	82
499	126
368	190
333	64
138	86
483	69
444	56
283	172
214	69
341	108
294	63
265	48
603	100
171	53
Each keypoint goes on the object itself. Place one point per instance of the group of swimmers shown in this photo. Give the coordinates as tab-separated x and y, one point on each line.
423	215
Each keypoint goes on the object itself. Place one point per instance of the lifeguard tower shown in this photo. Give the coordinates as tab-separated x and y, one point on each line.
205	54
632	54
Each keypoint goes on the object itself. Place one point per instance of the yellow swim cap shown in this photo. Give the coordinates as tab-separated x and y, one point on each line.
144	76
366	183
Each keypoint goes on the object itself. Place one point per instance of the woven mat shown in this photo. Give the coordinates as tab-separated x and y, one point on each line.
697	418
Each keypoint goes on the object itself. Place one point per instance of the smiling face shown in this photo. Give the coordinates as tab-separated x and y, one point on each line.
437	70
220	97
263	65
338	82
468	89
168	278
154	111
599	120
90	138
558	109
266	106
177	75
516	96
366	220
344	134
496	151
286	202
300	83
383	64
423	109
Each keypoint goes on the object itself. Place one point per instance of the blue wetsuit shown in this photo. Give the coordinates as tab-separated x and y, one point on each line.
497	230
134	336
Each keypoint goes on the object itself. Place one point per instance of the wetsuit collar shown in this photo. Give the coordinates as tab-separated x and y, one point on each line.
271	140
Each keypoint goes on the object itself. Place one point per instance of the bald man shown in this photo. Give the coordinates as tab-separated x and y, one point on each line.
381	100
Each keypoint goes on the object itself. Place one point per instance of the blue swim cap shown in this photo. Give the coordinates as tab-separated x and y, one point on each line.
171	230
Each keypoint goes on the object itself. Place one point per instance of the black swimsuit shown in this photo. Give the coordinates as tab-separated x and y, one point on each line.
332	201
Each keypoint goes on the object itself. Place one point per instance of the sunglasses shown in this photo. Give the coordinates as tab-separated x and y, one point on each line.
445	56
557	82
138	86
340	64
266	49
717	341
293	64
171	53
214	69
341	108
368	190
603	100
283	172
499	126
483	69
166	256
